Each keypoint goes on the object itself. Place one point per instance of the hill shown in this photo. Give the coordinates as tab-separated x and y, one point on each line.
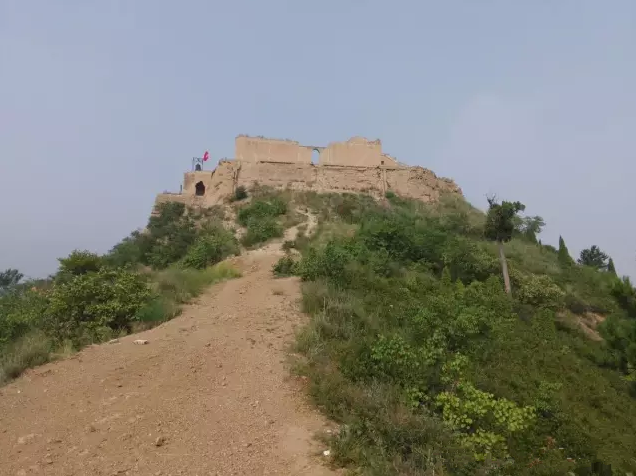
413	347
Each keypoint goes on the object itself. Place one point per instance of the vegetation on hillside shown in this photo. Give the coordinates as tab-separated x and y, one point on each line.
141	282
444	340
416	349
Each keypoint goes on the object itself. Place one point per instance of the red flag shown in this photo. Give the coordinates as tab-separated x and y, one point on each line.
206	156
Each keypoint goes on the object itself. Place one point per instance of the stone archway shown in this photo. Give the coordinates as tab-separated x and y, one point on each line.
315	156
199	189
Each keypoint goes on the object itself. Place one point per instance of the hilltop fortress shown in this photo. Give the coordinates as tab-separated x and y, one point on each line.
357	165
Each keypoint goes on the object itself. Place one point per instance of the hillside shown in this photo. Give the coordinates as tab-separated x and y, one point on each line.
413	347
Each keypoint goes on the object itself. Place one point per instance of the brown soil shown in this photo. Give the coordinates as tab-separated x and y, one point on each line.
210	394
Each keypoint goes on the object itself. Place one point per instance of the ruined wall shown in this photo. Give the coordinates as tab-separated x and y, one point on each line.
357	165
356	152
216	185
412	182
256	149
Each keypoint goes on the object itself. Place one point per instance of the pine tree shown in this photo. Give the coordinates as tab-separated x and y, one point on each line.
594	258
610	267
564	255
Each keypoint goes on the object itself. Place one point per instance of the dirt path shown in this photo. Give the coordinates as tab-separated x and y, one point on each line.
210	394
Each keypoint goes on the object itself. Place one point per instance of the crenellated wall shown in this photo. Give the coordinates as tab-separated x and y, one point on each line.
357	165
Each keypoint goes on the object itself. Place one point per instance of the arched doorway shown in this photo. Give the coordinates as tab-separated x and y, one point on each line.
199	189
315	156
197	167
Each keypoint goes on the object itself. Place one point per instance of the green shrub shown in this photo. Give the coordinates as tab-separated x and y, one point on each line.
132	250
30	350
259	230
78	263
169	234
90	305
288	245
286	266
20	311
539	291
210	247
261	210
181	285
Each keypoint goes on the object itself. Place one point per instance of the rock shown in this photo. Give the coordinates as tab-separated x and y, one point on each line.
140	341
26	438
326	452
113	341
160	441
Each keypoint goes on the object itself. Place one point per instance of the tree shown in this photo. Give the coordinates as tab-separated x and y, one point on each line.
500	225
610	267
594	258
564	255
529	227
77	264
9	278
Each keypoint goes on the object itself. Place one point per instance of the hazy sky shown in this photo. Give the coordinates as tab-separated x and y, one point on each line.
103	104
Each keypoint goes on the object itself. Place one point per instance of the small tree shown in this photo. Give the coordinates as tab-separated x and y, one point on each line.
500	225
594	258
9	278
529	227
610	267
564	255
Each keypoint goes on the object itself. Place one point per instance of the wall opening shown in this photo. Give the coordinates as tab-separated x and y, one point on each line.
197	167
315	156
199	189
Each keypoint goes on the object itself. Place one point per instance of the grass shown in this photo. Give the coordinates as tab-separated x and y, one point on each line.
31	350
176	286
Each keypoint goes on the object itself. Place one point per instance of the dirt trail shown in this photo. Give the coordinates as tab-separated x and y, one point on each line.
210	394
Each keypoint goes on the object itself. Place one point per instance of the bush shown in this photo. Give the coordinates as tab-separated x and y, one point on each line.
132	250
538	291
20	311
288	245
240	193
261	210
78	263
286	266
28	351
89	306
175	286
210	247
166	239
259	230
181	285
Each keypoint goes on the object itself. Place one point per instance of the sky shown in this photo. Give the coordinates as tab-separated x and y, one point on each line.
104	103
